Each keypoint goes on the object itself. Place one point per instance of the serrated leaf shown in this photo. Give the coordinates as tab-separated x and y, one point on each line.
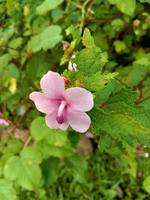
129	159
124	101
98	81
75	32
87	39
90	61
47	6
136	75
119	126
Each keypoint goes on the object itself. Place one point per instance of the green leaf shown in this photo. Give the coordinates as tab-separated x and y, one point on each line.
129	159
48	150
31	154
75	32
77	166
45	40
13	147
90	61
51	169
103	95
146	184
50	142
4	59
58	138
113	1
87	39
37	66
12	5
119	46
26	172
119	126
16	42
128	7
6	34
98	81
38	129
47	6
123	101
7	192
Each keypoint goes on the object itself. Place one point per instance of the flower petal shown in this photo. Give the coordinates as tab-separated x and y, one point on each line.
53	85
79	98
79	121
3	122
52	123
42	102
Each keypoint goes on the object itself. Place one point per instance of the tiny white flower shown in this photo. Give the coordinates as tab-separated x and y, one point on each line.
146	155
72	66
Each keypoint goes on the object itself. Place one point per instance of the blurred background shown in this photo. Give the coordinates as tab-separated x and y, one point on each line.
37	36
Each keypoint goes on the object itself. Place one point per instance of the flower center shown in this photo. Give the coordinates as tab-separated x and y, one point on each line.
61	114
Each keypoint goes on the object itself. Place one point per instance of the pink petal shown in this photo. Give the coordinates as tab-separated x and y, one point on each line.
79	98
79	121
52	123
3	122
42	102
53	85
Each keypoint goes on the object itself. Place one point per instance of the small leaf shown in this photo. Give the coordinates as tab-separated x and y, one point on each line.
87	39
119	46
128	7
98	81
12	85
47	6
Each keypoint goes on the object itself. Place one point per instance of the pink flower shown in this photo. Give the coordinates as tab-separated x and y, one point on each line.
3	122
63	107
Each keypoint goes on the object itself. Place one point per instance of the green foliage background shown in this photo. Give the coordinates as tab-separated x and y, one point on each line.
110	39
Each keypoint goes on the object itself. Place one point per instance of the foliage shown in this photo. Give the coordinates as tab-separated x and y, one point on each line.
110	42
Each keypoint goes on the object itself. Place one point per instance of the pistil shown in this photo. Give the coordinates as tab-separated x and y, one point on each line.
61	112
